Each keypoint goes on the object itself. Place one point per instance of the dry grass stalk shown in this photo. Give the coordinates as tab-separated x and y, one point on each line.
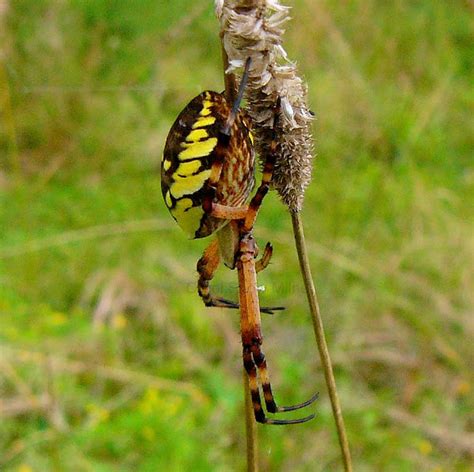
321	340
250	426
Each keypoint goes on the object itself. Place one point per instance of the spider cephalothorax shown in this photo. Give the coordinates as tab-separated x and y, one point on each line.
207	177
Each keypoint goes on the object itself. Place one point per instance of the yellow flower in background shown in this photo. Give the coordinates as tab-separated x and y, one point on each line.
119	321
152	401
24	468
425	447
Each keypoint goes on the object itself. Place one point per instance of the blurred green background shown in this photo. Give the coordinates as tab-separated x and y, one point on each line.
109	361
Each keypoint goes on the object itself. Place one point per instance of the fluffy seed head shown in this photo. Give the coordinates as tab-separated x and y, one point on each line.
276	95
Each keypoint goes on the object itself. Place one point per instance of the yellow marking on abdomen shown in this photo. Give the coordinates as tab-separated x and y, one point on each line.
168	201
251	137
188	185
196	135
199	149
204	121
206	108
187	168
183	204
187	216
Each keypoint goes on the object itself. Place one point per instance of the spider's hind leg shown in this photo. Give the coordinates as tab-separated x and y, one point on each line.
254	359
261	364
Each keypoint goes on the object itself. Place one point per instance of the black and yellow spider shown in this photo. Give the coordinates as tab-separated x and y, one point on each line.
207	177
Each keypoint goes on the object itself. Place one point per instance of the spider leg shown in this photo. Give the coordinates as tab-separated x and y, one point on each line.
262	190
251	370
206	268
261	264
261	363
253	357
227	212
257	199
259	413
270	310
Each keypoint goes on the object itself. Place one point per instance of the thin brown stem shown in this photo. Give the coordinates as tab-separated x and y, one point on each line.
321	338
250	424
251	428
229	79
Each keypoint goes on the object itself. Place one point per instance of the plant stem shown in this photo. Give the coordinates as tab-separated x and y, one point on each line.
251	428
250	424
10	129
229	79
321	338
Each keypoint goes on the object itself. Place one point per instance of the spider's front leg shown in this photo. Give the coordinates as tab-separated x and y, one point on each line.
253	357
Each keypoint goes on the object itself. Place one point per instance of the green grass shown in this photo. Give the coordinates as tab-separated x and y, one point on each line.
108	360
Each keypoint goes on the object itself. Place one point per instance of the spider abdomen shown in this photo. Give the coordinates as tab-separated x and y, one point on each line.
194	143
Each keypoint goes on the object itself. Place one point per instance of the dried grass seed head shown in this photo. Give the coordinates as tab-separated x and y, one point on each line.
255	29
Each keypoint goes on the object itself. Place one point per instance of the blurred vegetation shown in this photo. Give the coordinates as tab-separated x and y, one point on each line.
109	361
